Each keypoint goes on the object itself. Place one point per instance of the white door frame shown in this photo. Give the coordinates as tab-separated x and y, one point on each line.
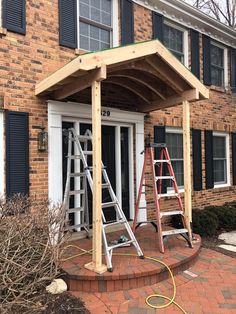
70	111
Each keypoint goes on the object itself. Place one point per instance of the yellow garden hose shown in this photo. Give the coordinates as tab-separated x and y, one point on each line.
160	296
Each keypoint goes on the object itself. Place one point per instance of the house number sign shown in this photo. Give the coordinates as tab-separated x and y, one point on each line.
105	113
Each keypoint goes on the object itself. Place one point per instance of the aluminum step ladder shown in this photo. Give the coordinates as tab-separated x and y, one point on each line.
157	180
86	174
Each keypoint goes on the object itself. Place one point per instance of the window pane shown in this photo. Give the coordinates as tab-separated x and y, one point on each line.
94	45
84	29
220	171
84	42
96	3
106	5
219	147
217	56
217	78
178	168
84	10
175	145
106	19
94	32
95	15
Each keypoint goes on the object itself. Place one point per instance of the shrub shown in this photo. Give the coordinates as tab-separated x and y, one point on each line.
28	261
204	223
226	215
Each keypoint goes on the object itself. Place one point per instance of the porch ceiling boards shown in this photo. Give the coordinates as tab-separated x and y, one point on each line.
145	76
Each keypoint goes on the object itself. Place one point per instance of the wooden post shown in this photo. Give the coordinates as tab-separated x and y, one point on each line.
187	161
96	264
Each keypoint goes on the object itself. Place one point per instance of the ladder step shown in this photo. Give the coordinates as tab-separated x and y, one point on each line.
157	161
105	185
173	232
76	192
115	246
75	210
165	178
168	194
87	152
109	204
78	174
75	157
171	213
121	221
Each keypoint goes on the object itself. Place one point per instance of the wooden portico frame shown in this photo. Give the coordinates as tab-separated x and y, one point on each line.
151	78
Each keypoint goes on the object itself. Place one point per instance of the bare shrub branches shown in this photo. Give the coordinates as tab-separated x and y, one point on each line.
28	261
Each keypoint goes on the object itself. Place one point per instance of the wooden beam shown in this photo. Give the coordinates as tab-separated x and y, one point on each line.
187	161
167	74
131	87
96	264
80	83
139	80
190	95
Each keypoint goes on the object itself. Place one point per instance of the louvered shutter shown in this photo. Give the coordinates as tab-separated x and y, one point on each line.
68	23
209	159
127	22
195	57
157	26
206	59
233	70
234	157
17	153
197	159
160	137
14	15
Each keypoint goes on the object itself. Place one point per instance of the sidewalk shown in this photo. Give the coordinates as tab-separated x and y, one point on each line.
209	287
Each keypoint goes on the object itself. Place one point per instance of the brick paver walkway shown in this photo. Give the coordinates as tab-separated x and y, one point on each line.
212	291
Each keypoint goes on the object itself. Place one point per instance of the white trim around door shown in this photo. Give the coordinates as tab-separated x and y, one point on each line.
2	150
69	111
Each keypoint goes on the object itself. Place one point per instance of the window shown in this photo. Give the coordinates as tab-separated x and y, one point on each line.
174	141
95	24
221	158
217	66
176	40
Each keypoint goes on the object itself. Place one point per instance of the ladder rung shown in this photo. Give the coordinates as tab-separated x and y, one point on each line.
156	161
87	152
111	247
171	213
168	195
78	174
75	210
173	232
121	221
165	178
75	157
105	185
76	192
109	204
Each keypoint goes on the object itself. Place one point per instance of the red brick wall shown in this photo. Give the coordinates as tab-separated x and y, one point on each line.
26	60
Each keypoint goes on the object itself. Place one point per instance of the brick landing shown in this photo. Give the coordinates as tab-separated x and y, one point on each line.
212	291
130	272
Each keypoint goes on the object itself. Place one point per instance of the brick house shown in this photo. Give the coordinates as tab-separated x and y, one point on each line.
39	37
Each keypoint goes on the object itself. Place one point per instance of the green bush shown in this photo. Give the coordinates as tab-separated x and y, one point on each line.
205	223
226	215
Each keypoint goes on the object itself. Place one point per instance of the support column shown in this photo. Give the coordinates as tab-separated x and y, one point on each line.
187	161
96	264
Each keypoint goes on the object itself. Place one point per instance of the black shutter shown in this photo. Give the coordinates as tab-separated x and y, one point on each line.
127	22
14	15
157	26
195	57
197	159
209	159
160	137
17	153
206	41
234	157
233	70
68	23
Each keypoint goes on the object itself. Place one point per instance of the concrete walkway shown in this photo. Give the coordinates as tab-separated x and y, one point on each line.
208	287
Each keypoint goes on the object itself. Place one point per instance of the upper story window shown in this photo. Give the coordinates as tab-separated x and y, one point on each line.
174	142
176	40
217	66
221	158
95	24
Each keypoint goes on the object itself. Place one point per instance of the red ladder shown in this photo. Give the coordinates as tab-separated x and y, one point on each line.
157	193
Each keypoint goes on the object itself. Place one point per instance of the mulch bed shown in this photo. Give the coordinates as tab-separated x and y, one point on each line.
213	242
64	303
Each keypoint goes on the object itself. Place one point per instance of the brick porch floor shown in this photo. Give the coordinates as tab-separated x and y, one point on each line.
213	291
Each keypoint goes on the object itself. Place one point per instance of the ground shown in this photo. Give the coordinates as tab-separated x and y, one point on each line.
209	288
